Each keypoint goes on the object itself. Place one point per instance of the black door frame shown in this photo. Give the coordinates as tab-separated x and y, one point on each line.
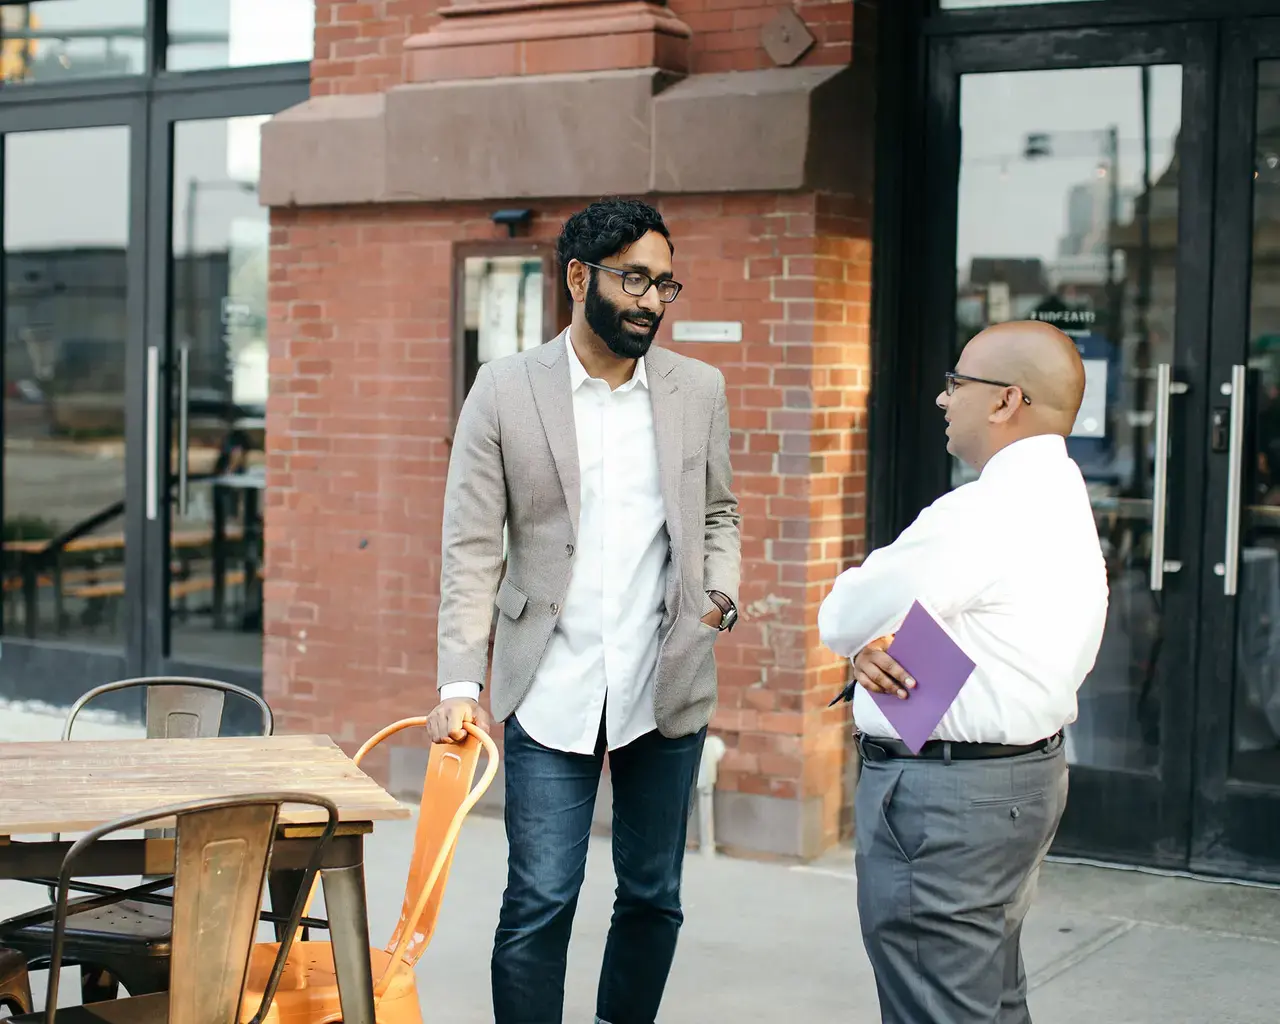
1237	823
165	112
1141	817
46	669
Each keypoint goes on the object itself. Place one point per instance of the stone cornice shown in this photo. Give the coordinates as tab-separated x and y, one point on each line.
639	131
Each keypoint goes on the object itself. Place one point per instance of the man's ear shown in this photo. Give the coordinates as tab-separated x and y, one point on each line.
576	277
1005	407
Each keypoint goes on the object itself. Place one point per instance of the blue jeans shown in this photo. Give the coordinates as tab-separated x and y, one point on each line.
550	796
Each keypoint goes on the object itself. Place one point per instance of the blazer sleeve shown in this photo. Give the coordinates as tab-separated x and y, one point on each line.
471	555
722	554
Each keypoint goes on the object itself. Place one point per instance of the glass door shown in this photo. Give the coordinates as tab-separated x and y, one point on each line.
1073	185
207	323
75	401
1237	803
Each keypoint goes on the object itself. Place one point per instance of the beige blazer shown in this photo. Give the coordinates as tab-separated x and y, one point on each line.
515	462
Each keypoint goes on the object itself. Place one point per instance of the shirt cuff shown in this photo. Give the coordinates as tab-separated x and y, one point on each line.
460	689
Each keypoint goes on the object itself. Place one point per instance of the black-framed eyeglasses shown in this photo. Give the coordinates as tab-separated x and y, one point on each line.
637	284
954	378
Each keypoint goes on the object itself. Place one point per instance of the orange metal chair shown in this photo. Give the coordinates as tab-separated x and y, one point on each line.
308	990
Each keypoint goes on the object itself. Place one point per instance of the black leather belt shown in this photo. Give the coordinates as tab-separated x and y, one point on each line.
881	748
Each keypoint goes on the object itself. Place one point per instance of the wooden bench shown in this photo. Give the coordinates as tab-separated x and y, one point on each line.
178	588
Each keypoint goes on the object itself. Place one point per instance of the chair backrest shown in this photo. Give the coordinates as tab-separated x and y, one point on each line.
221	854
447	798
178	707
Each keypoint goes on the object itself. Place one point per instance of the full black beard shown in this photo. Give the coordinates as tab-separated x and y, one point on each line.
606	320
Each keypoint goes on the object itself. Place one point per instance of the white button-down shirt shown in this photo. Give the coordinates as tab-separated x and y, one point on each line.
603	653
1012	564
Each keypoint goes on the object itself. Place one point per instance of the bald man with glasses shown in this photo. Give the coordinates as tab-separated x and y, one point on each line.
949	841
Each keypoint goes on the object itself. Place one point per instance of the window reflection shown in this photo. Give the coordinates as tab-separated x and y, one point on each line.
239	33
66	242
48	40
955	5
1257	690
502	308
1068	213
218	317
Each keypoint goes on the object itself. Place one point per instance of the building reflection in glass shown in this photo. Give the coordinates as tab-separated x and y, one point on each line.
1068	212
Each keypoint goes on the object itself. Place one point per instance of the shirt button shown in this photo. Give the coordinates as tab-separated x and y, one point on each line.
568	550
555	609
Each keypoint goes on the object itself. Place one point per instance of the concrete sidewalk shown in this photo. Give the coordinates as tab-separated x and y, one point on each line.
764	942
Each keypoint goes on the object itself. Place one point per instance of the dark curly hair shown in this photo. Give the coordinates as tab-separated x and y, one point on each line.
604	228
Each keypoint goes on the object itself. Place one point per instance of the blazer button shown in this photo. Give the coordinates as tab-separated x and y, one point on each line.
555	609
568	550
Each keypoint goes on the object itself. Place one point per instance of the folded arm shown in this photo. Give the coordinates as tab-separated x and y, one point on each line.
937	560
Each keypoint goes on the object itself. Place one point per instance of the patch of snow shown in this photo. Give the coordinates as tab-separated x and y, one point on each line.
34	722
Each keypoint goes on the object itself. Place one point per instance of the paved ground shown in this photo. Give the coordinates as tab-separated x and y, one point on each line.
764	942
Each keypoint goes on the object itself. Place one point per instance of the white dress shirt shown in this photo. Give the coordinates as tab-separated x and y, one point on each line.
1012	564
604	650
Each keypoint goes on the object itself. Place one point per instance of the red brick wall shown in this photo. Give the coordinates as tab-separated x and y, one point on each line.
360	406
359	43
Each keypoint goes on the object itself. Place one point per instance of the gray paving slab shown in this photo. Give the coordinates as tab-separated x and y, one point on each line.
1155	973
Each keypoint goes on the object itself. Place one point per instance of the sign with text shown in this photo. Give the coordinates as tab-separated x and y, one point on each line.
707	330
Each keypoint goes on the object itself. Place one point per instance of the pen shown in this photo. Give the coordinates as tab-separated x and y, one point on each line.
844	695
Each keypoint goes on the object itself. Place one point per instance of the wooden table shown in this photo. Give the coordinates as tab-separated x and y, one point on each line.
70	787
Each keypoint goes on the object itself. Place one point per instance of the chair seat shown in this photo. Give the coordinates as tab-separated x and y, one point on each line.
127	928
15	986
152	1009
12	965
308	992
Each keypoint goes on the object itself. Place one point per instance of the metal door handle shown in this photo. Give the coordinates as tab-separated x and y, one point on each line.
1165	387
1230	566
153	428
184	417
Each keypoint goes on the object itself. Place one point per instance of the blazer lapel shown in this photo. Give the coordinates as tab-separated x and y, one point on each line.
549	376
668	425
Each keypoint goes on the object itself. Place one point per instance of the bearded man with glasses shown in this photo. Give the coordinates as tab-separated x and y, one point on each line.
608	461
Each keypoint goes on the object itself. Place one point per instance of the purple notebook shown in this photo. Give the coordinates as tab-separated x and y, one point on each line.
925	649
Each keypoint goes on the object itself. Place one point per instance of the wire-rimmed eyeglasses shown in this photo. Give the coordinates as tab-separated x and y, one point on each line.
954	378
636	283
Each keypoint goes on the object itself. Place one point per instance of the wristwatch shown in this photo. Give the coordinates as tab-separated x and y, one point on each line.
728	611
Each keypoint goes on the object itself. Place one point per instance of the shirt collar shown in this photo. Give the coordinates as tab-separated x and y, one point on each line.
578	373
1029	451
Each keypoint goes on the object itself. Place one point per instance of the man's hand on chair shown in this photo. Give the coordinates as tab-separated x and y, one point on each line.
446	720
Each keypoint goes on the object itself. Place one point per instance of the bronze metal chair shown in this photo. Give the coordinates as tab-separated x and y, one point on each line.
126	941
15	985
222	851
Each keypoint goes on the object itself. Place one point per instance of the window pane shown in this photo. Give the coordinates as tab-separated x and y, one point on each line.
237	33
1257	689
1068	213
956	5
50	40
66	243
218	317
502	308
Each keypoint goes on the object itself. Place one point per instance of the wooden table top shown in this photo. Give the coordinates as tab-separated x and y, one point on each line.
77	785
